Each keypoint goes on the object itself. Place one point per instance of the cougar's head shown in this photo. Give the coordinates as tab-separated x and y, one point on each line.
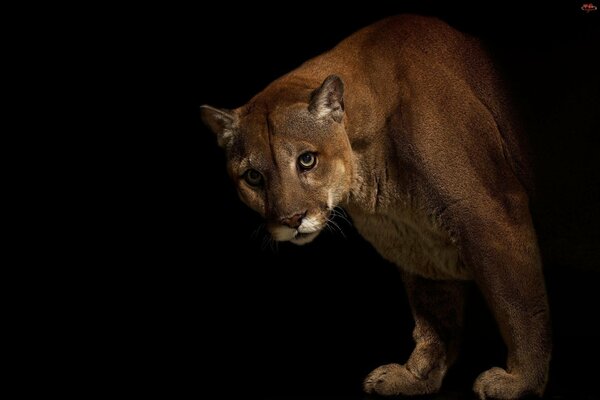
288	155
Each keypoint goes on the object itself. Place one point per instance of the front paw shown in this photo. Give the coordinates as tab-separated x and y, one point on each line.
395	379
497	383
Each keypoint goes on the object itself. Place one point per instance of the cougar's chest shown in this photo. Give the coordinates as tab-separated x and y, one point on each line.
416	243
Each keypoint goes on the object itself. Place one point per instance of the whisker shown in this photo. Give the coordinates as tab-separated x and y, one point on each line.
265	242
337	226
343	216
255	233
273	245
341	211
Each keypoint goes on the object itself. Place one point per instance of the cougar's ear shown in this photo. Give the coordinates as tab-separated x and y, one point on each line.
328	100
221	122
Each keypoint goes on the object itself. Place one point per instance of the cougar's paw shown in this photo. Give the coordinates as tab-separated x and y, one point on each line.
395	379
496	383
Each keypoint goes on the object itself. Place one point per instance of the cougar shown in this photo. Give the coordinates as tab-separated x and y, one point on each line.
406	126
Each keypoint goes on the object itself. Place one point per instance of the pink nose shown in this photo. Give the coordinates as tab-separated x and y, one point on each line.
294	221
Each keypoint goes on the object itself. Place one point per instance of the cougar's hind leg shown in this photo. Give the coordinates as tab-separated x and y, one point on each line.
500	247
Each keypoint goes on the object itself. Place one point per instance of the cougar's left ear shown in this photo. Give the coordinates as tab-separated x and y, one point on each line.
221	122
328	100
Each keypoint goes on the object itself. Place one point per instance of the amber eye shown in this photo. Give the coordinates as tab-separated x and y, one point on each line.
307	161
253	177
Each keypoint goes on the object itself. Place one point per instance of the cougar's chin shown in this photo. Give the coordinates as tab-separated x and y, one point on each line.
303	238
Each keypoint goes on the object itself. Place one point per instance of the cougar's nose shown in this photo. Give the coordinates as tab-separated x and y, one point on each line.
294	221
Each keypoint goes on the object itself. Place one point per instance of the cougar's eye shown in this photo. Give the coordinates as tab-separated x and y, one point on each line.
253	177
307	161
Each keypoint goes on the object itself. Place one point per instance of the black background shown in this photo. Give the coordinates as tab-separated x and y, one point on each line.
210	306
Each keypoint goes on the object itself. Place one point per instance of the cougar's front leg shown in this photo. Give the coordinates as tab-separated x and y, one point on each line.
437	307
501	248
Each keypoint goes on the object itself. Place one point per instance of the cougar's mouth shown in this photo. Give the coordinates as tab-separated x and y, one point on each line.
305	233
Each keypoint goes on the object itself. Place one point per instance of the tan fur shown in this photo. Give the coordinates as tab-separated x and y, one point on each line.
414	139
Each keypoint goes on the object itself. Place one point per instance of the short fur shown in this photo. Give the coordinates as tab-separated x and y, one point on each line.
414	139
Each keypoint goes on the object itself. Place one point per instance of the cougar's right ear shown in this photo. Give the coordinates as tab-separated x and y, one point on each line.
328	100
221	122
